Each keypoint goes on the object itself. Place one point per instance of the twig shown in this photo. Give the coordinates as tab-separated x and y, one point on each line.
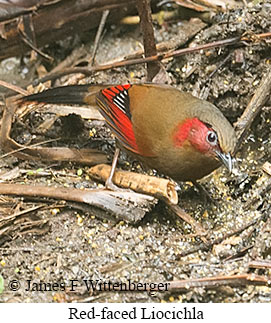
267	168
207	246
20	222
161	56
23	3
13	152
254	107
71	60
216	281
262	242
84	156
89	113
127	206
58	20
189	30
144	10
260	189
98	35
157	187
199	230
260	264
186	285
19	213
13	87
25	27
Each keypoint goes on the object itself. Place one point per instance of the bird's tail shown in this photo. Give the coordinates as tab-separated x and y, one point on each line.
70	94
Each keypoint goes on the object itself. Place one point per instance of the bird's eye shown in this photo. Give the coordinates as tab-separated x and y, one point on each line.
211	138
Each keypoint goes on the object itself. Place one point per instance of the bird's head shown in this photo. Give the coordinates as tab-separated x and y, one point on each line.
204	139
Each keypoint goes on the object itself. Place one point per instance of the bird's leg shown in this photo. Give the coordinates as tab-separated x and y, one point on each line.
109	183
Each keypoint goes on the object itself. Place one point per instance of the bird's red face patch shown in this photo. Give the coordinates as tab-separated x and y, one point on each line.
201	136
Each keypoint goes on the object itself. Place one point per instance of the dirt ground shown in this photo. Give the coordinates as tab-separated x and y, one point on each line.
58	242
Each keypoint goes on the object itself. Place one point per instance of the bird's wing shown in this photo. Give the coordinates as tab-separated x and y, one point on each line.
114	104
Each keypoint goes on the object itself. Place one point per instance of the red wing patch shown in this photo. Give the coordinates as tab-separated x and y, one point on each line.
114	104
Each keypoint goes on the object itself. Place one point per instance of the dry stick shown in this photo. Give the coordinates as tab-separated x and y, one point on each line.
84	156
23	3
161	56
254	107
13	152
144	11
199	230
158	187
261	246
260	264
24	28
185	285
58	20
71	60
13	87
98	35
207	246
189	30
12	224
33	47
17	214
129	206
129	62
213	282
89	112
267	168
261	187
167	16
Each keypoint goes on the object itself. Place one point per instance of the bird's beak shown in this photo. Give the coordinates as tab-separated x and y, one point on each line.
226	159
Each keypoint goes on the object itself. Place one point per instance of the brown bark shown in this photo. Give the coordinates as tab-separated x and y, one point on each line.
144	10
158	187
56	21
128	206
7	144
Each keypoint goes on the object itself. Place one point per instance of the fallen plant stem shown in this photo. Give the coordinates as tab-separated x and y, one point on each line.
84	156
13	87
260	264
186	285
197	227
208	245
98	35
158	57
144	10
129	206
254	107
151	185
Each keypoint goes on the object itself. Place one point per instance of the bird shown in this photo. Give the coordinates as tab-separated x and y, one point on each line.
177	134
